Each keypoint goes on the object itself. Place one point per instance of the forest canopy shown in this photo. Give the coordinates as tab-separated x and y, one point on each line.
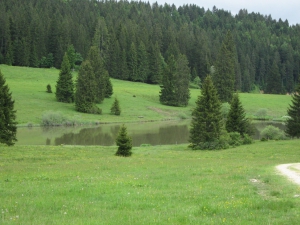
135	39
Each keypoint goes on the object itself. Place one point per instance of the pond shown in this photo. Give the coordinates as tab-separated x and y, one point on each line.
152	133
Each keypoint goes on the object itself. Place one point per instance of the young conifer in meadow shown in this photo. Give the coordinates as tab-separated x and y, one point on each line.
85	95
65	85
8	128
207	118
293	123
236	119
115	108
124	143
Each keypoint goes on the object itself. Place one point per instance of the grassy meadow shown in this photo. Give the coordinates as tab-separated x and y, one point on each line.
157	185
28	87
165	184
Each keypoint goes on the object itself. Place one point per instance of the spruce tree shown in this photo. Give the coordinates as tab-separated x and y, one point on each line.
64	85
115	108
293	123
155	68
124	143
175	82
236	119
132	63
108	86
207	118
182	81
71	56
142	60
167	93
224	75
274	85
85	95
8	128
99	72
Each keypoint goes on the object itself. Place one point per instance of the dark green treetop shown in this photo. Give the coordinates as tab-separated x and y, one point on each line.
182	80
167	93
224	75
71	56
65	85
236	119
8	128
85	95
99	72
175	82
207	118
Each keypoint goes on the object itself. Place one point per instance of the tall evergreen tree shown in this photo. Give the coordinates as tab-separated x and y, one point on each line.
274	80
85	95
207	118
123	72
293	123
182	81
71	56
99	72
101	39
108	86
167	94
8	128
155	68
236	119
65	85
224	76
124	143
142	61
132	63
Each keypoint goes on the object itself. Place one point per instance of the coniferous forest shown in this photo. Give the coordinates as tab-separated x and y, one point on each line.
137	40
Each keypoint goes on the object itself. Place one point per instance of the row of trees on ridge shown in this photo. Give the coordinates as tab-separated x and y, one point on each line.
136	39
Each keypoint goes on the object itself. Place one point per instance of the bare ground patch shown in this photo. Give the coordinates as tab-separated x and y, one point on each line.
291	171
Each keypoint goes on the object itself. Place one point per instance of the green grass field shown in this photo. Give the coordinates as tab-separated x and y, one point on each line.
157	185
168	184
28	86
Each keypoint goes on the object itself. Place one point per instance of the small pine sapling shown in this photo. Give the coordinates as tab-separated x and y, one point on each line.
124	143
115	108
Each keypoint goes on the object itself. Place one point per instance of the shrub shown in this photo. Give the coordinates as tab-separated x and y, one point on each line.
51	118
247	140
49	88
225	109
94	110
235	139
261	114
183	116
272	133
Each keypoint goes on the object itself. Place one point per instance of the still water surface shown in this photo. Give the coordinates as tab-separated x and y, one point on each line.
153	133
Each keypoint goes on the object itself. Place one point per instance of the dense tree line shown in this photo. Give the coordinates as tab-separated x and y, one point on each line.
136	38
8	124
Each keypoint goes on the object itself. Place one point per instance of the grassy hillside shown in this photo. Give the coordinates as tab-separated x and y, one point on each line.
28	86
157	185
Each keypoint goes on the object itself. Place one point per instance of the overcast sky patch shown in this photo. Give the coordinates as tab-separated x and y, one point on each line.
288	9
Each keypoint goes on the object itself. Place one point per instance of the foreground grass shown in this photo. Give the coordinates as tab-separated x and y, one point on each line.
157	185
138	101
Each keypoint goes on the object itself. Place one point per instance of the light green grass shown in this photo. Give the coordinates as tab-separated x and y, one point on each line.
28	86
157	185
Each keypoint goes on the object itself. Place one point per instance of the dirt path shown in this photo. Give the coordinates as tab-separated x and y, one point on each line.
292	171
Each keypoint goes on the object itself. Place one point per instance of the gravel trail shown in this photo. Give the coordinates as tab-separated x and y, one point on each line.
291	171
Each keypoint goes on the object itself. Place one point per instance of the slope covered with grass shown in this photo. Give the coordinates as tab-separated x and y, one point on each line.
138	101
